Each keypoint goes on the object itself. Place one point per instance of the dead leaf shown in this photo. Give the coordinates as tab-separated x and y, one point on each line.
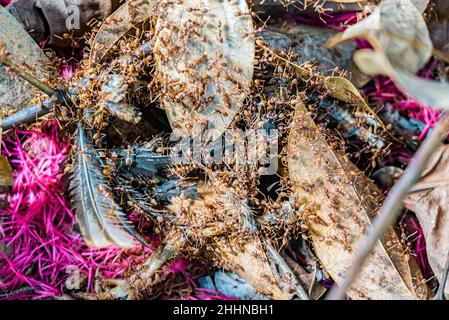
16	93
252	265
402	46
397	29
6	177
119	24
428	200
204	54
338	204
342	89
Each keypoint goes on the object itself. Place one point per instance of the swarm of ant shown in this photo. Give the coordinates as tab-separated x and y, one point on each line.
133	94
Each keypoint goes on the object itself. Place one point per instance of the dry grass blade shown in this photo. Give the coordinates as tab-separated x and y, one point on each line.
338	204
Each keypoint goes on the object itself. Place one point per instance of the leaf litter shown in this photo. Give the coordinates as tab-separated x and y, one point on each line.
141	225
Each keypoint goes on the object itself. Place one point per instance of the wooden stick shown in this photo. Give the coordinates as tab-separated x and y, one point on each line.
28	77
27	115
393	204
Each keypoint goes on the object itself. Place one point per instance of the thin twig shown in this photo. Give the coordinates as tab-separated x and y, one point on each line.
28	77
27	115
393	204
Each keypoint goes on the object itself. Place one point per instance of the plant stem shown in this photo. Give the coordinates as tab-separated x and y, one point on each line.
393	204
27	115
28	77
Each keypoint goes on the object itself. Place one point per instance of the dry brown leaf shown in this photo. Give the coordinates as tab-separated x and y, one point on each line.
342	89
6	177
397	29
252	265
402	45
204	54
16	93
337	87
339	203
118	25
429	200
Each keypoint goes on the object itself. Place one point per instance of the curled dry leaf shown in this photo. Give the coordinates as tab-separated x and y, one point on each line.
16	93
402	45
428	199
397	29
204	53
116	26
338	203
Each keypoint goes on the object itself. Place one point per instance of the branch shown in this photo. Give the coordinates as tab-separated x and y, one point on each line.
28	77
27	116
393	204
